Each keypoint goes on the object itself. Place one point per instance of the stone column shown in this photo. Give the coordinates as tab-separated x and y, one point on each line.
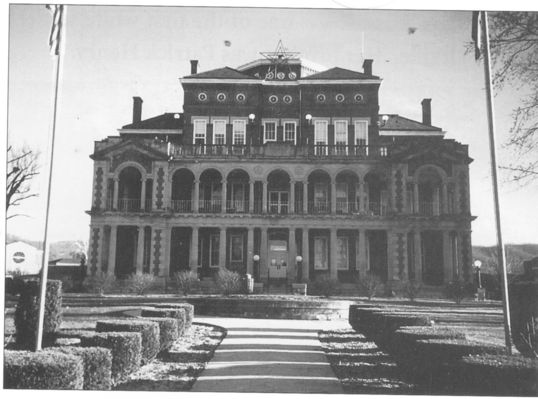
333	197
222	248
112	250
196	196
264	261
292	197
332	264
116	194
415	198
166	237
224	195
143	194
251	197
140	251
264	197
444	196
363	251
250	250
305	197
448	263
418	256
292	255
193	261
306	249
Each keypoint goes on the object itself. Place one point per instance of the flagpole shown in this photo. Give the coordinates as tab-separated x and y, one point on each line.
46	246
501	255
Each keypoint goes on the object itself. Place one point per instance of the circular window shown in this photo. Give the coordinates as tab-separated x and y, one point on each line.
340	97
287	99
240	97
202	96
18	257
358	97
221	97
273	99
281	75
269	75
292	75
320	98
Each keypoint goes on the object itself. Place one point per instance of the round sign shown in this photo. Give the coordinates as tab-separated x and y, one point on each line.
19	257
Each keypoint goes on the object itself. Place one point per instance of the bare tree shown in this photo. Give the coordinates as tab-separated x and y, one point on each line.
22	166
514	49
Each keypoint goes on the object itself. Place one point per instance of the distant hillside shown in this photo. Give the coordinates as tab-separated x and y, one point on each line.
515	255
58	249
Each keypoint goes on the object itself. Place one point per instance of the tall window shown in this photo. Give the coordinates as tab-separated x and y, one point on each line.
320	137
236	248
341	198
361	133
270	131
214	241
320	253
342	253
219	132
200	128
321	197
239	132
289	131
340	133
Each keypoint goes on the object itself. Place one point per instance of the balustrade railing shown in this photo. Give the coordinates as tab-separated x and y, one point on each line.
319	207
377	208
181	206
129	204
237	206
210	206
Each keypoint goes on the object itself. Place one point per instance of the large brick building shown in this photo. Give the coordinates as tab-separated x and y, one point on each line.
282	159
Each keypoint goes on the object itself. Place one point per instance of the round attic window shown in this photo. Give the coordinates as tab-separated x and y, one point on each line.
202	96
281	75
240	97
292	75
221	97
359	97
320	98
340	97
273	99
287	99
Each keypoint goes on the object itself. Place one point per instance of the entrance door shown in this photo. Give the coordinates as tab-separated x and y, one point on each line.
278	259
432	257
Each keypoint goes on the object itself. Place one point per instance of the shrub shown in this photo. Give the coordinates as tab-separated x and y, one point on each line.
186	281
412	289
391	322
325	286
179	314
149	331
457	290
498	375
99	284
168	330
97	365
370	283
125	347
189	311
139	283
42	370
228	282
524	316
27	313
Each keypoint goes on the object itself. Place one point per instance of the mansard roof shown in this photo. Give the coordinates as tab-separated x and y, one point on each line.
166	121
337	73
220	73
400	123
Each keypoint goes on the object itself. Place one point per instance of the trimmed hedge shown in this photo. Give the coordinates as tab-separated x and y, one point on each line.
176	313
168	328
391	322
97	365
149	331
125	347
27	313
42	370
189	311
498	375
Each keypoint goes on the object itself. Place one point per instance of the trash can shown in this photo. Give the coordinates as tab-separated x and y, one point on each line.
249	284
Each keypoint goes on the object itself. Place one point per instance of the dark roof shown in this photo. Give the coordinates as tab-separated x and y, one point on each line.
164	121
339	73
221	73
397	122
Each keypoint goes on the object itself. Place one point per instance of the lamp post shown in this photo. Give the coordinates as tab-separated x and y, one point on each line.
256	259
298	261
251	119
478	265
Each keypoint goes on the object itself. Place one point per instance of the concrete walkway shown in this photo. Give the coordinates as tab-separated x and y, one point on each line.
272	356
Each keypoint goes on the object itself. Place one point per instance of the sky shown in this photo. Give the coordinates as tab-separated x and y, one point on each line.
113	53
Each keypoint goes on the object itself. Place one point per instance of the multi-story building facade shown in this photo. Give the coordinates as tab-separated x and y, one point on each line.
287	171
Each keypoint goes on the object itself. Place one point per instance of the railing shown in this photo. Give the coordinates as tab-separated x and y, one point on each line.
128	205
181	206
428	208
346	207
319	207
377	208
275	207
210	206
279	150
237	206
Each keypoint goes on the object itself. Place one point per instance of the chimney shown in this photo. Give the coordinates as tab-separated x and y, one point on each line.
194	67
427	111
137	109
367	67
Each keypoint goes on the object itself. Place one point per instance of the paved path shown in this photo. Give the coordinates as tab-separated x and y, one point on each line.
266	355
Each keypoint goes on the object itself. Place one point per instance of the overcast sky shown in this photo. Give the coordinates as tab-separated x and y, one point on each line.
113	53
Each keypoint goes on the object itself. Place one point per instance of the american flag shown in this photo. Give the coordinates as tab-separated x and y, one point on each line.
57	11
